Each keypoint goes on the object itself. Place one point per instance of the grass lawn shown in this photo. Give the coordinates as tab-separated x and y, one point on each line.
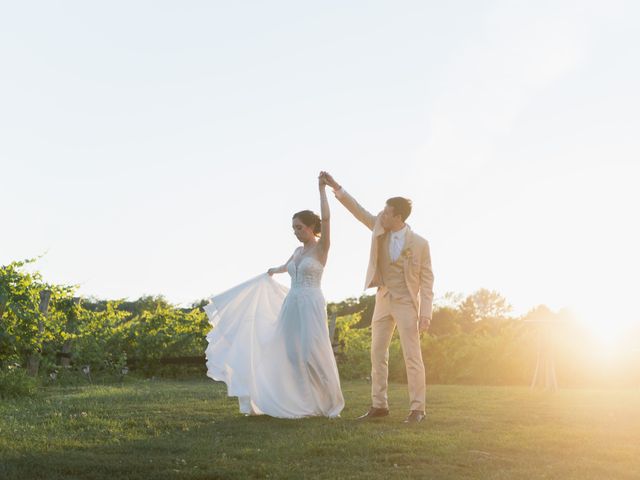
190	429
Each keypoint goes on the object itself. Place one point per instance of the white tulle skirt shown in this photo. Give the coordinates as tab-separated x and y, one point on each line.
271	346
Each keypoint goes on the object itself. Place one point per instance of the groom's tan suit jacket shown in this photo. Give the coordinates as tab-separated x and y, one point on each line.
415	256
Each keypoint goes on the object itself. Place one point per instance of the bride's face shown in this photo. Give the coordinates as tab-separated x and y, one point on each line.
301	231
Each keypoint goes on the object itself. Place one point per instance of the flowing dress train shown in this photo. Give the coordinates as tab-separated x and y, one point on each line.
271	345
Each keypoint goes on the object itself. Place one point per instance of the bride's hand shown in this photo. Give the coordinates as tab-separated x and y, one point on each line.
322	181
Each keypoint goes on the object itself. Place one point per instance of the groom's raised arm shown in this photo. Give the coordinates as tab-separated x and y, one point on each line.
350	203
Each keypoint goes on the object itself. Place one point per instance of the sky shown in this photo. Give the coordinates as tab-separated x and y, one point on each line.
161	148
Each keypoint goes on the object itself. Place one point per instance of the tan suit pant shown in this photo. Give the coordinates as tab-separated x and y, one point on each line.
389	313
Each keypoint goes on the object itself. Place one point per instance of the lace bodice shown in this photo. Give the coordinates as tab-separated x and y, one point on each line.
306	274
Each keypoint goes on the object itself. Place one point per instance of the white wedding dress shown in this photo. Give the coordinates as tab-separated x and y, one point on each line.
271	345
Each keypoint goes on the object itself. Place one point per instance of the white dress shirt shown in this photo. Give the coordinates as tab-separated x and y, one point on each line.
396	243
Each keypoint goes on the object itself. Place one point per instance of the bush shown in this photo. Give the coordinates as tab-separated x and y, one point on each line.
502	356
14	383
353	357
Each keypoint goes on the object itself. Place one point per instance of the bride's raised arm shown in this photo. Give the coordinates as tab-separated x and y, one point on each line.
325	225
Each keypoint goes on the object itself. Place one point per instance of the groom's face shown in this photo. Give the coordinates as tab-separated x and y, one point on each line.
388	218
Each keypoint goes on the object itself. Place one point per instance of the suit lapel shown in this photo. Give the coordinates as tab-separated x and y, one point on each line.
379	241
407	251
408	243
378	230
372	272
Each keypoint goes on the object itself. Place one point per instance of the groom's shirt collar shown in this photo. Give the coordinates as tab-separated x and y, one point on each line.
401	234
396	243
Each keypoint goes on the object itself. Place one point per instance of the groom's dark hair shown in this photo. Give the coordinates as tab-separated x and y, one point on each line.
401	206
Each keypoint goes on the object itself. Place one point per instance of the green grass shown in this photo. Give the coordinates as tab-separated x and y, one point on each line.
190	429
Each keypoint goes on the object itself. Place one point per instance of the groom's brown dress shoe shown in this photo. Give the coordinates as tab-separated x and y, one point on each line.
374	412
415	416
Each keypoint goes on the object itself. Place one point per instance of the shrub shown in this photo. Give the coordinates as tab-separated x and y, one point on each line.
14	382
353	356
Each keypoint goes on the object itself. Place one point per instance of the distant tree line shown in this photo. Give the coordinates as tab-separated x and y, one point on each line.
47	331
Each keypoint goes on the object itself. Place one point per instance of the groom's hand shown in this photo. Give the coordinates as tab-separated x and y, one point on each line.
423	326
329	180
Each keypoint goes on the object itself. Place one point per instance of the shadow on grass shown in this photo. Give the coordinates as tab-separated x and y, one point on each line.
157	430
228	447
197	433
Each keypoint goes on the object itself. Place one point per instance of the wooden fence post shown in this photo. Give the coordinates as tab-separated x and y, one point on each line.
544	375
33	362
65	358
332	331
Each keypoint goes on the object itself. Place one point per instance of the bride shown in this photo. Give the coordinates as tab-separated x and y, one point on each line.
271	345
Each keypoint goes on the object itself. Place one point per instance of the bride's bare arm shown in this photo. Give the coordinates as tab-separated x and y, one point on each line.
281	269
325	226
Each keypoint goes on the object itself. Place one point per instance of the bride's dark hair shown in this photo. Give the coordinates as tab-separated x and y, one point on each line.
310	219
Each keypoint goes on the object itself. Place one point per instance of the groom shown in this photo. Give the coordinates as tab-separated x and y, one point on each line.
400	266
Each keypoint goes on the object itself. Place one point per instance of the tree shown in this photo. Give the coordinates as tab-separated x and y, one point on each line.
24	302
445	321
484	305
363	306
